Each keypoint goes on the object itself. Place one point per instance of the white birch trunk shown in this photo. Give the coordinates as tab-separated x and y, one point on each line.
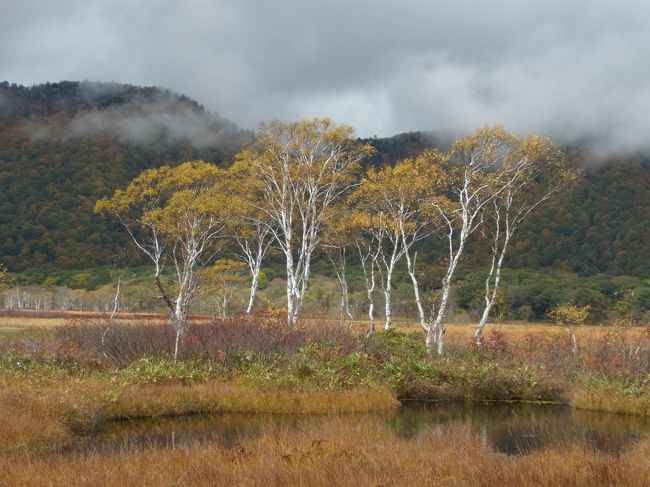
224	307
410	265
387	297
387	284
253	291
491	294
454	258
253	254
574	341
369	280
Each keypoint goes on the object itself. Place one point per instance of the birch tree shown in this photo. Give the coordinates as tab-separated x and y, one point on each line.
569	315
537	171
251	228
394	196
476	175
221	280
368	242
339	236
303	168
254	241
173	214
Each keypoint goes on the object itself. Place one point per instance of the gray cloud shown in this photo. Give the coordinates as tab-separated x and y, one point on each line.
148	125
144	119
572	70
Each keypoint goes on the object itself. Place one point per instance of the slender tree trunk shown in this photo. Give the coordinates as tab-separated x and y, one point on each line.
387	285
439	326
346	299
574	341
253	291
430	339
111	317
177	310
344	306
304	281
254	255
454	258
177	345
180	326
370	286
387	296
490	298
290	289
495	268
416	287
371	317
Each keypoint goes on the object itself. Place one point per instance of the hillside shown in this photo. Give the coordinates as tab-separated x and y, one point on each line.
601	226
64	145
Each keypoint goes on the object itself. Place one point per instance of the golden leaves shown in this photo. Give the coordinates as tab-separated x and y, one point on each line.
170	198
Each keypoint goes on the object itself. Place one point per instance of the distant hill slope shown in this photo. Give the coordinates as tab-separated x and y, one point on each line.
64	145
601	226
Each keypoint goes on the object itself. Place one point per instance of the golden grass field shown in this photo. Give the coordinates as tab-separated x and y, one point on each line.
339	452
55	405
19	323
13	321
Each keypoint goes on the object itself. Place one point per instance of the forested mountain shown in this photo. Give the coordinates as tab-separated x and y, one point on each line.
64	145
603	225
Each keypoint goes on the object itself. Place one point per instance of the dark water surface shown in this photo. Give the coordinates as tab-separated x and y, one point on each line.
504	427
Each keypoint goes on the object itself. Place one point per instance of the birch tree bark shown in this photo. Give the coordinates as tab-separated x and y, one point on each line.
537	170
251	228
477	174
368	254
394	197
253	251
173	214
302	168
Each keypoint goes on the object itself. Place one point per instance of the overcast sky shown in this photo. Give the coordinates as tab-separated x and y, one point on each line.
561	68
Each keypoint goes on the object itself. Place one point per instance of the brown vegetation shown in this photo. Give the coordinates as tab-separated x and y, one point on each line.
50	413
66	382
338	452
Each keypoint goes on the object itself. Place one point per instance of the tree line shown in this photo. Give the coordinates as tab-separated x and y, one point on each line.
298	187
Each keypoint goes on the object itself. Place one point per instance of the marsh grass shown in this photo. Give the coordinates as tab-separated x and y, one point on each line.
612	398
341	451
65	382
49	415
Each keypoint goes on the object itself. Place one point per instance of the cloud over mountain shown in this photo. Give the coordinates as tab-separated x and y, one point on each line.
574	70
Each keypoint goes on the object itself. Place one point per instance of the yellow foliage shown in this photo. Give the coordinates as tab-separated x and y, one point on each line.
569	314
173	200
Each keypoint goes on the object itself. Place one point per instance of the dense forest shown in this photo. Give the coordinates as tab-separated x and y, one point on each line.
65	145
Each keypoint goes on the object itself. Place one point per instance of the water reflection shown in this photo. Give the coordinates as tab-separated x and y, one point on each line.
508	428
226	430
520	428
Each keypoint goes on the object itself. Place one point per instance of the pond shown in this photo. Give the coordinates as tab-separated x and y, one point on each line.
510	428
